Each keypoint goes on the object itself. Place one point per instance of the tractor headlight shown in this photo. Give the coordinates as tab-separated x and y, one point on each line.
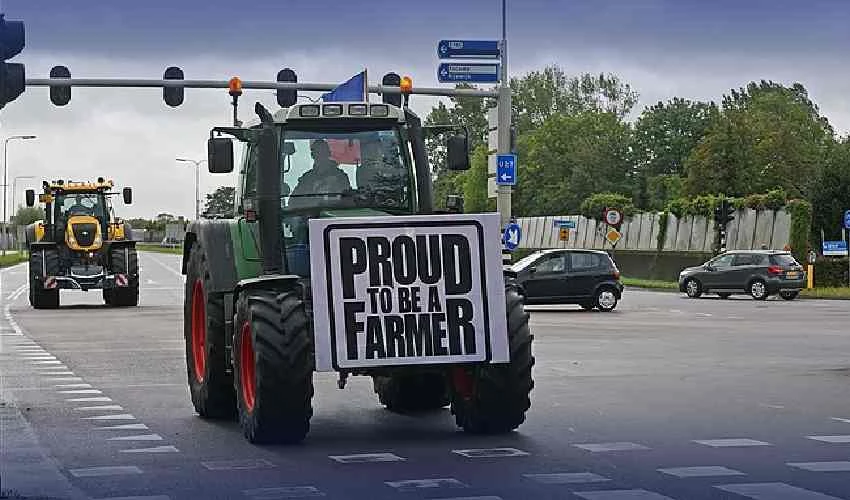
97	239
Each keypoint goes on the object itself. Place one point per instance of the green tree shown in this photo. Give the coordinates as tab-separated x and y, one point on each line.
767	136
831	192
475	183
220	201
570	157
27	215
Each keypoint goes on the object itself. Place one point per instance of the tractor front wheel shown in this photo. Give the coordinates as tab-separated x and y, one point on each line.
124	261
409	393
273	366
43	263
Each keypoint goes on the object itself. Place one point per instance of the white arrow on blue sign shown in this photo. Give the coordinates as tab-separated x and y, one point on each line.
506	170
468	49
847	219
478	73
512	236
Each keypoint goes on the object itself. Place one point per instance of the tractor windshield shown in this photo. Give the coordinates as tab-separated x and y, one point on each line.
354	169
70	204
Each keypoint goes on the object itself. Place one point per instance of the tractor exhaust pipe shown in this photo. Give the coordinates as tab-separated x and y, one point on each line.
268	201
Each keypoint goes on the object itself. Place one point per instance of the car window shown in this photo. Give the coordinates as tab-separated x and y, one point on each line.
552	264
723	260
580	261
784	259
748	259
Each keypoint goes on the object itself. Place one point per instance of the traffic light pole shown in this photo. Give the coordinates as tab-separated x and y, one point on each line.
503	193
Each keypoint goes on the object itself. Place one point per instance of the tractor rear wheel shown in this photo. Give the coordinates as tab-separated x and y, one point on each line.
43	263
203	328
273	366
493	398
124	260
412	392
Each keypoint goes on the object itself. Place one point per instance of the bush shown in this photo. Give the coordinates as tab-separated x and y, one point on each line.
831	272
594	205
801	226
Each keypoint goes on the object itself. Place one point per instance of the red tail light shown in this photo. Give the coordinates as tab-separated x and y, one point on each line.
774	270
616	274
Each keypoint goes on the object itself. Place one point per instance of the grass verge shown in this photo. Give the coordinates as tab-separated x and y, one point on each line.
650	284
10	259
827	293
154	247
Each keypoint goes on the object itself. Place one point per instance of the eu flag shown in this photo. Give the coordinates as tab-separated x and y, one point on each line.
355	89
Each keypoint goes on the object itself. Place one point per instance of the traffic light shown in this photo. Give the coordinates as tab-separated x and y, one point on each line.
12	75
723	215
173	96
60	95
287	97
391	80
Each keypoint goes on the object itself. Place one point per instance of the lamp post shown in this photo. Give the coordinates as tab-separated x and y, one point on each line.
6	183
197	181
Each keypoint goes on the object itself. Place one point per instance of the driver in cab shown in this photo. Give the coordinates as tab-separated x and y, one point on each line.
325	178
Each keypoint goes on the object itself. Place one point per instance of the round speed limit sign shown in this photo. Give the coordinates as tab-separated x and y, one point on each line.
613	216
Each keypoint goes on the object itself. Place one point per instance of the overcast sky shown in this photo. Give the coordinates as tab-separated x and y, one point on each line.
696	49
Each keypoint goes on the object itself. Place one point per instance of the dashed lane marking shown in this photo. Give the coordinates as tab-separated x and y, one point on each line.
96	408
567	478
102	399
608	447
155	449
701	471
773	491
64	379
121	416
621	495
149	497
425	484
57	374
485	497
82	391
249	464
731	443
845	420
838	466
841	439
367	457
73	386
140	437
115	470
50	362
123	427
283	492
491	453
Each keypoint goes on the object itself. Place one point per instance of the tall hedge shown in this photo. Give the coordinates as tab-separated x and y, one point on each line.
593	206
801	226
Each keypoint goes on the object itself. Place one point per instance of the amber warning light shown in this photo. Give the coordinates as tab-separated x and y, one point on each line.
234	86
406	85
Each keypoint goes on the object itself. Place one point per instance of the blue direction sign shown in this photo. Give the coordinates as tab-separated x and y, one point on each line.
506	170
568	224
847	219
476	73
468	49
835	248
512	236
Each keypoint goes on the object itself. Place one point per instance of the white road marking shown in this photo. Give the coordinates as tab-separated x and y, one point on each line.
606	447
845	420
51	362
56	374
167	267
283	492
831	439
116	470
102	399
122	416
64	379
123	427
567	478
139	437
773	491
485	497
621	495
102	408
728	443
366	457
155	449
491	453
73	386
33	356
838	466
82	391
701	471
148	497
417	484
248	464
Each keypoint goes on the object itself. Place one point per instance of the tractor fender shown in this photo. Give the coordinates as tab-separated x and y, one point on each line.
214	236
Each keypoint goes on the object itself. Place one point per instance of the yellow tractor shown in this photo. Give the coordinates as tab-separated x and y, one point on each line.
81	245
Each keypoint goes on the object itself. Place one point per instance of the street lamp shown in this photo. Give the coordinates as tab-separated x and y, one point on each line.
6	182
197	180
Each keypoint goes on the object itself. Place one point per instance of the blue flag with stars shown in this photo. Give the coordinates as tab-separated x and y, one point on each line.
355	89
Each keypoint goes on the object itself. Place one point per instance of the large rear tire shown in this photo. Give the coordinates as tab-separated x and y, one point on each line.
493	398
203	329
124	260
273	367
43	263
412	392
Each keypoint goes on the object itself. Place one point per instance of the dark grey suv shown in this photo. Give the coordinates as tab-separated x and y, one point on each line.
759	273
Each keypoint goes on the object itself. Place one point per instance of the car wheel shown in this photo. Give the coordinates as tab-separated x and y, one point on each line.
758	290
789	295
693	288
724	295
606	299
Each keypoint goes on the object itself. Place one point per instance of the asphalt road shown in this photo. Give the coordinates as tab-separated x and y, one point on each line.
665	398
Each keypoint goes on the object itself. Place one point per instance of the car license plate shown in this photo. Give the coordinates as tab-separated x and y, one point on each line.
792	275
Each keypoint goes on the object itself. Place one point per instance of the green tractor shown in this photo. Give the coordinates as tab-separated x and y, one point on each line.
336	261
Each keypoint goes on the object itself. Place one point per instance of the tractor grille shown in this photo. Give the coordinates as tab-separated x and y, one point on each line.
84	233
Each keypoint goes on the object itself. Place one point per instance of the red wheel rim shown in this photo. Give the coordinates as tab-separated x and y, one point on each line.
462	382
247	379
199	331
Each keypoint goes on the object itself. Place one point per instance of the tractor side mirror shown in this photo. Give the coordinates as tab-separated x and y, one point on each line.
288	148
30	197
127	192
457	153
454	203
220	155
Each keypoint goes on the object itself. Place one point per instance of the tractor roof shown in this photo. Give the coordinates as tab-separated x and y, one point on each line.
99	185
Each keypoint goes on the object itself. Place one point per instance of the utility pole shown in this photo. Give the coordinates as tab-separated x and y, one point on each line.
503	194
6	184
197	183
